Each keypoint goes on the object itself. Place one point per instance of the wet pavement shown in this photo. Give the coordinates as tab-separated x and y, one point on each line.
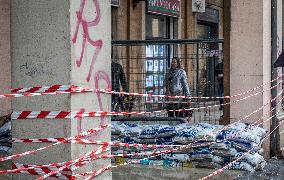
137	172
273	171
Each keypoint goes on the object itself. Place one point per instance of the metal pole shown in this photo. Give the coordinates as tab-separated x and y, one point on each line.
275	137
197	70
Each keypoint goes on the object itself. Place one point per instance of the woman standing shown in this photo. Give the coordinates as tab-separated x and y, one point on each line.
176	85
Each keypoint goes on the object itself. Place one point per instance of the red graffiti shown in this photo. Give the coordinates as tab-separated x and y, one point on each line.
79	121
104	76
79	127
97	44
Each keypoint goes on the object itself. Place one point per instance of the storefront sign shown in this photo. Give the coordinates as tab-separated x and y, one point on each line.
210	15
115	3
164	7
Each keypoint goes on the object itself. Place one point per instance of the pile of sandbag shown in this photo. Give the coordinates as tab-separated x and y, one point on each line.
214	145
5	136
243	138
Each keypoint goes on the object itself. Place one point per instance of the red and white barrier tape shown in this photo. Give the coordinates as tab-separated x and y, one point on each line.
44	89
152	154
50	167
241	157
70	89
87	158
154	146
85	141
145	153
63	89
59	114
95	173
142	145
187	145
239	120
74	162
190	97
31	94
82	134
69	114
247	116
30	169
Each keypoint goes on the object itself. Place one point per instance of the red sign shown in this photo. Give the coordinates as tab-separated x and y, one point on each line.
164	7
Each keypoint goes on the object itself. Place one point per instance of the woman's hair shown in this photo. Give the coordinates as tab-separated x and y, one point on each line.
178	61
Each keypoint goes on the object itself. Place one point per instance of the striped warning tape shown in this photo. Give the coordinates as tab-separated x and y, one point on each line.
85	141
44	89
55	168
82	134
190	97
33	170
45	169
87	158
152	154
247	116
191	143
69	114
95	173
136	145
63	89
99	150
140	154
241	157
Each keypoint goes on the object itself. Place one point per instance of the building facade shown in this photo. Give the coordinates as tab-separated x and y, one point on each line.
145	64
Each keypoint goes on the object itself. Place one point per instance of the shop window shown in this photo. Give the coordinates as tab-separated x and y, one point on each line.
158	56
157	27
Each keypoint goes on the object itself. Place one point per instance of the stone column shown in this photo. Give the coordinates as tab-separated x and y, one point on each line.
250	57
53	44
5	68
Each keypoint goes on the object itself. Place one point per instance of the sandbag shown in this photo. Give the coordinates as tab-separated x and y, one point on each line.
225	153
256	160
242	166
218	160
201	157
166	131
186	135
176	157
166	141
149	132
203	164
241	146
132	131
221	146
202	154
